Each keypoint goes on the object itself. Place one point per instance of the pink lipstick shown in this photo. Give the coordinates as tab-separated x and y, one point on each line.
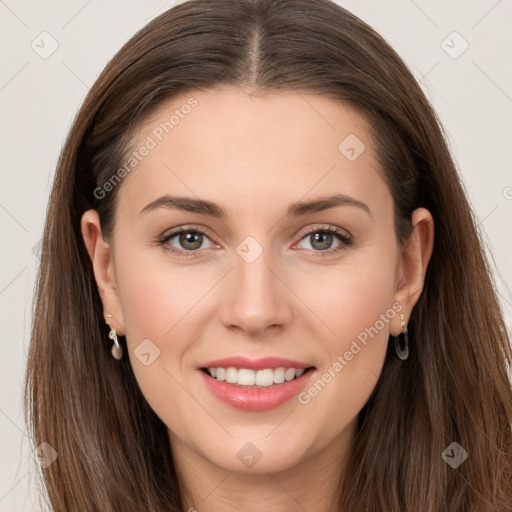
256	385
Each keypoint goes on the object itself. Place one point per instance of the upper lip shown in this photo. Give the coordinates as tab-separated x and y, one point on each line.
255	364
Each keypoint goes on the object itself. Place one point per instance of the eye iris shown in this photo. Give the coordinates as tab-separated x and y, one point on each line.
324	238
188	237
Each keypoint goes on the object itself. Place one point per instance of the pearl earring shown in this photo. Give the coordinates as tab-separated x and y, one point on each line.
117	351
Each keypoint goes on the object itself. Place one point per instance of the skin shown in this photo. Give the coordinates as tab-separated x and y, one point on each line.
255	155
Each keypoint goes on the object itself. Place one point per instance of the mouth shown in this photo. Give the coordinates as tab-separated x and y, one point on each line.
255	390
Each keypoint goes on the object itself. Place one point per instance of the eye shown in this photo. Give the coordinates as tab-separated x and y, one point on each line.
321	239
190	241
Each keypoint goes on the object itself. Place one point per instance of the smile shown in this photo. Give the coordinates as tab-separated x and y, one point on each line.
255	390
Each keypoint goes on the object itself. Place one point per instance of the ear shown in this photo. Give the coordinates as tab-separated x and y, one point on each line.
102	260
415	255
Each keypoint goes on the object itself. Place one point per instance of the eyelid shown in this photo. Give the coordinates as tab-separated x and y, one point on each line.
321	227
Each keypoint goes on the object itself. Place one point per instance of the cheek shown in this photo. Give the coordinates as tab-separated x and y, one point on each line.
362	299
356	312
157	301
159	298
349	299
155	296
359	317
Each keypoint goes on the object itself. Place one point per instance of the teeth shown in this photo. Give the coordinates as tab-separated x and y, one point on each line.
279	375
231	375
246	377
289	374
263	378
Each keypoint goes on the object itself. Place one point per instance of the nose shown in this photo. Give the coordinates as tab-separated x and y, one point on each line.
256	298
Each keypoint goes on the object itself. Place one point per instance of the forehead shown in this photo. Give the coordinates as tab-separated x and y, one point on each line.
234	146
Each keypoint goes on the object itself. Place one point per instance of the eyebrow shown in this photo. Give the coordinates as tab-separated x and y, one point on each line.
298	209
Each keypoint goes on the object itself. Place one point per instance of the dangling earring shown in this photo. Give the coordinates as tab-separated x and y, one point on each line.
117	351
402	353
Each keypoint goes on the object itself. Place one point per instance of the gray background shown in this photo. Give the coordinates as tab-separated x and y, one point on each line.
39	97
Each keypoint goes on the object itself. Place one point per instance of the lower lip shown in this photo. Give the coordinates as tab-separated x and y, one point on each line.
256	399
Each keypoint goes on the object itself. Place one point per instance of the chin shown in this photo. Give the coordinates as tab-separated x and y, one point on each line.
257	457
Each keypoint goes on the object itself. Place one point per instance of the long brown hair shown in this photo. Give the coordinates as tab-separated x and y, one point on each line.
113	451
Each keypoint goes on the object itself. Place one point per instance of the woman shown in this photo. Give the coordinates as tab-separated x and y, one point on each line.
262	285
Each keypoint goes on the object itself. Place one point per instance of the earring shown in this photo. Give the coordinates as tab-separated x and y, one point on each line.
117	351
402	353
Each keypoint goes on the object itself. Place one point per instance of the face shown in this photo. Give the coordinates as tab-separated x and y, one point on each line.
263	280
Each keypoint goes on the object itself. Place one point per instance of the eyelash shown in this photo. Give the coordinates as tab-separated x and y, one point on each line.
341	235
